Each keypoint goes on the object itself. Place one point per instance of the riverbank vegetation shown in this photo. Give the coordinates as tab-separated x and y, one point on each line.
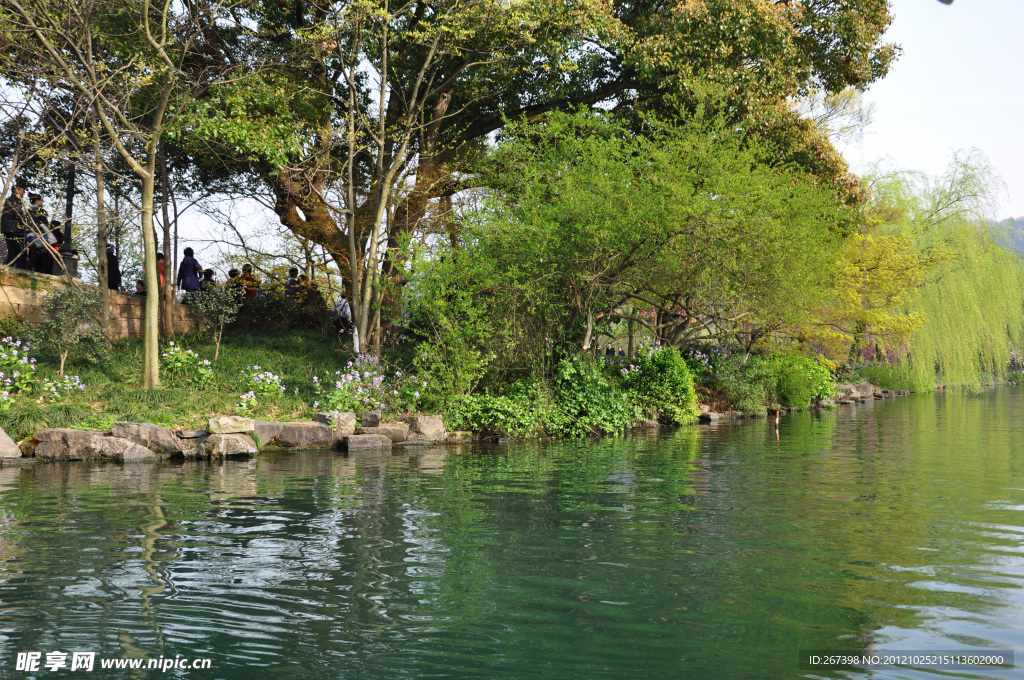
548	220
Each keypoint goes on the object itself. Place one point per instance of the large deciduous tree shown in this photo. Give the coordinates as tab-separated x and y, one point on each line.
363	118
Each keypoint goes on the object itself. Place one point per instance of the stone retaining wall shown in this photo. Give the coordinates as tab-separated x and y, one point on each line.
226	436
21	295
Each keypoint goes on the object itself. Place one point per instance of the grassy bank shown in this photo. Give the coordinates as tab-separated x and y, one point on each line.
583	396
113	389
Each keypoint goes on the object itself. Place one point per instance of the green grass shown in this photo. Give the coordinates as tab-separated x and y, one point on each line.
113	387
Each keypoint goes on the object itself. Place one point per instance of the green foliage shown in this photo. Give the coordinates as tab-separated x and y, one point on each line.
271	309
745	382
592	403
662	386
218	306
591	214
971	301
506	416
182	364
454	329
11	327
755	383
69	327
799	381
894	377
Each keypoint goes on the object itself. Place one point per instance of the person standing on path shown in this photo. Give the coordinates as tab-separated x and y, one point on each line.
188	273
249	281
113	270
12	225
160	268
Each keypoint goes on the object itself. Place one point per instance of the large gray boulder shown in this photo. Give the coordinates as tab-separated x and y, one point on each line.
193	446
66	444
370	418
305	436
8	447
267	431
124	449
231	444
426	429
342	422
357	442
231	425
396	432
153	437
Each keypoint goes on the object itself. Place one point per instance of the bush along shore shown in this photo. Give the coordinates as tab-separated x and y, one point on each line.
301	389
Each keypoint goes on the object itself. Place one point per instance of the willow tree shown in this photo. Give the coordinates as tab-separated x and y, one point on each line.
956	286
126	58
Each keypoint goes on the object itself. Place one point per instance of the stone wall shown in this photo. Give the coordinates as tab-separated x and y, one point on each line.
21	294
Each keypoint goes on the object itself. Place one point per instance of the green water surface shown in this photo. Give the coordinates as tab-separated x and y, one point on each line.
711	552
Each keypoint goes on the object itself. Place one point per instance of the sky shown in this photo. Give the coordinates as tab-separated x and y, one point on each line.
959	84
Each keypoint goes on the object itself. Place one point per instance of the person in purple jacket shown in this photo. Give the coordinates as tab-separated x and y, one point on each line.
188	273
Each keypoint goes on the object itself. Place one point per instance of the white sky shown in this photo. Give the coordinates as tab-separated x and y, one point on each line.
958	85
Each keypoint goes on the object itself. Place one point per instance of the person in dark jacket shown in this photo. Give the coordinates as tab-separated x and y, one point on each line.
12	225
188	273
292	283
207	283
113	269
39	236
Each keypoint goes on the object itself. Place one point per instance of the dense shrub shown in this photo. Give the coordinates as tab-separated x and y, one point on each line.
754	383
502	416
894	377
799	380
591	402
661	385
745	382
69	326
271	309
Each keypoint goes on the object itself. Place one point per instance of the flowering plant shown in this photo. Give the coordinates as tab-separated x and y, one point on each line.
248	402
17	368
182	362
262	382
61	387
361	387
408	392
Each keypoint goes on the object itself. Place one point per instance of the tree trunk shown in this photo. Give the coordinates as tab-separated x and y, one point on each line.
166	290
69	207
101	238
151	320
588	335
631	349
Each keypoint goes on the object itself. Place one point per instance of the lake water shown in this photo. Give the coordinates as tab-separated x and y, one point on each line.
708	552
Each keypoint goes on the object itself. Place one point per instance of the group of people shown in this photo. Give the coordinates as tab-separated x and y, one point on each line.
611	351
33	240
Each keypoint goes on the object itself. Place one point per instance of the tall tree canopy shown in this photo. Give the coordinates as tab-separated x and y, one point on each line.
358	117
